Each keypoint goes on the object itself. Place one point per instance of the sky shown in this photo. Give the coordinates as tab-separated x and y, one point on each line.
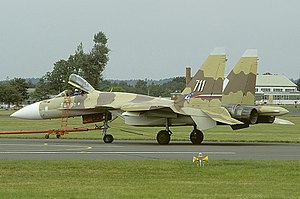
149	39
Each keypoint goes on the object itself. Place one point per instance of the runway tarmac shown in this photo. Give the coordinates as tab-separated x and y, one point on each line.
66	149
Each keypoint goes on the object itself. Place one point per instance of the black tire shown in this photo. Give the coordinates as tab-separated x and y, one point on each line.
58	136
196	136
108	138
163	137
47	136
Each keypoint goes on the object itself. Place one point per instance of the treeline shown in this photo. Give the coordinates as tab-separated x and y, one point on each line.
145	87
15	91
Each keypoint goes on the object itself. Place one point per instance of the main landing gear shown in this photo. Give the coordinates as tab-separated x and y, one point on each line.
196	136
107	138
163	137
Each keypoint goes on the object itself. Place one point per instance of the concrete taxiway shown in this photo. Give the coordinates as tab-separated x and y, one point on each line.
63	149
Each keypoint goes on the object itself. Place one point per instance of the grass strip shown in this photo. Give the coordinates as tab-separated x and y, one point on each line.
148	179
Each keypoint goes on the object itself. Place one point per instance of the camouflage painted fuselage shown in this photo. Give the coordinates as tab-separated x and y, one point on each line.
135	109
95	102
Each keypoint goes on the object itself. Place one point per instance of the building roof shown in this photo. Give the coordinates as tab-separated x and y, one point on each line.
273	81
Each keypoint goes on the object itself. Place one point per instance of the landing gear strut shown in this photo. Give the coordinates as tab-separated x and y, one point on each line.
107	138
164	136
196	136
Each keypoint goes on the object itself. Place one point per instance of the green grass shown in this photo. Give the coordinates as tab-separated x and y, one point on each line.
120	131
149	179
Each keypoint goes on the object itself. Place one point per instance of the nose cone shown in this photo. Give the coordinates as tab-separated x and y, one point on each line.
30	112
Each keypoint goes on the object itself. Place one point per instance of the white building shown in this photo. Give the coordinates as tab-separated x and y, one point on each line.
276	89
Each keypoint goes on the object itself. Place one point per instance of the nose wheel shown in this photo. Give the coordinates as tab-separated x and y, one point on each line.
107	138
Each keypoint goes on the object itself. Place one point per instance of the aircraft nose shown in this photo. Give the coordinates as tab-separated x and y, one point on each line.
31	112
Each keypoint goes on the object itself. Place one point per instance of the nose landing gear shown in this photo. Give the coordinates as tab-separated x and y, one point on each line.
107	138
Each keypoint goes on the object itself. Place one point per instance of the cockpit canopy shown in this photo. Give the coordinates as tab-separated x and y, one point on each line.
80	83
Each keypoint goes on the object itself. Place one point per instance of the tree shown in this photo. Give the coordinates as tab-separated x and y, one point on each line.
14	91
141	87
154	89
96	60
88	65
298	84
176	85
57	80
41	90
8	93
21	87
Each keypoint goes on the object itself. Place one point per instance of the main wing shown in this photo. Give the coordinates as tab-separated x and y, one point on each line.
203	118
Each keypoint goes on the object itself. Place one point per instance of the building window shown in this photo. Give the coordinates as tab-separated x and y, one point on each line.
294	97
289	90
277	97
266	97
277	90
265	89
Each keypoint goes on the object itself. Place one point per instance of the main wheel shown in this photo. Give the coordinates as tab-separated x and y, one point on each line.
108	138
196	136
58	136
47	136
163	137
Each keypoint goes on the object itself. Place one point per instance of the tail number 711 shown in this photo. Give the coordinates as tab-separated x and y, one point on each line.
199	85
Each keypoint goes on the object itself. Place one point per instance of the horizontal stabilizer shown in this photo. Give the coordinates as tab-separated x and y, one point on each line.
239	126
282	121
220	114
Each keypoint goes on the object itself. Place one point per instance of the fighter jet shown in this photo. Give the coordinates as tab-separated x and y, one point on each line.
199	105
239	95
202	104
